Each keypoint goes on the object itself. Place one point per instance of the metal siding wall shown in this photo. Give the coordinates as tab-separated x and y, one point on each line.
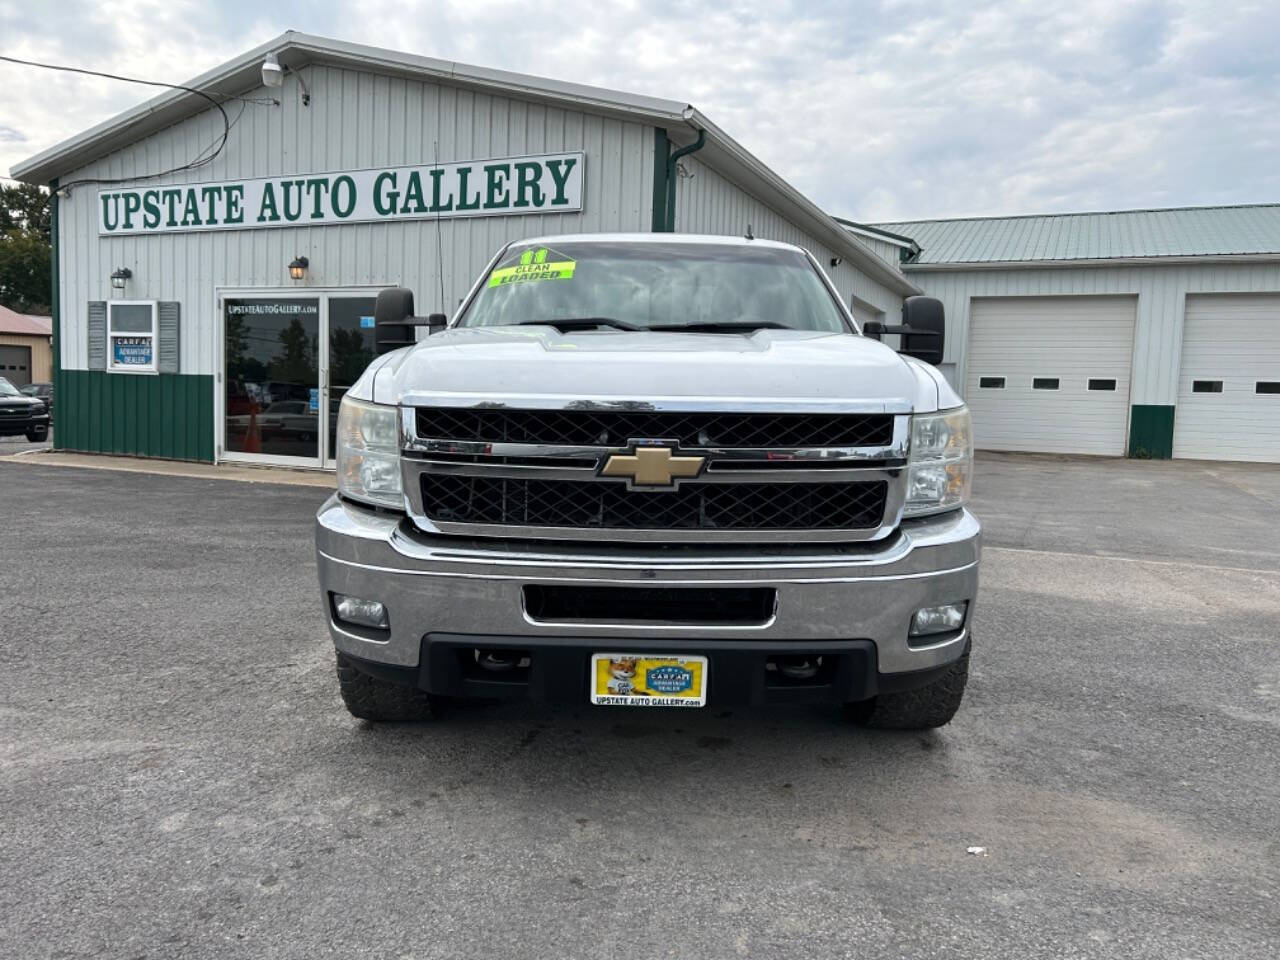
164	416
709	203
1161	292
883	249
356	120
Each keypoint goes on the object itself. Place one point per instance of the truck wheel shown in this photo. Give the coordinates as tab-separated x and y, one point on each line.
37	434
369	698
921	709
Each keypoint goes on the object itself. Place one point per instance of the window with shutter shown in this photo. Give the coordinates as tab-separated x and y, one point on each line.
131	336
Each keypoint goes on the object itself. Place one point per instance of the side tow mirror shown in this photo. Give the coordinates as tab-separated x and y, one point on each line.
392	320
926	329
394	323
923	329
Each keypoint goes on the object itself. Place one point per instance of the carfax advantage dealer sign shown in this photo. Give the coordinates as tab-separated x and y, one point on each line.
477	188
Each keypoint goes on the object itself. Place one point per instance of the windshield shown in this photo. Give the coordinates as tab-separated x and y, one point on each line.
655	285
7	389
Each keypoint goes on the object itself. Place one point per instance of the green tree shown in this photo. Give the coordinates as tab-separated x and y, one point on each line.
296	365
237	340
24	206
348	355
26	257
25	272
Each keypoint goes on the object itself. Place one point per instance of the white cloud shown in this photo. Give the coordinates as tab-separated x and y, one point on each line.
912	108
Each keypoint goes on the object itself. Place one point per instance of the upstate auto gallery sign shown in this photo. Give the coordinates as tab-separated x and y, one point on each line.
476	188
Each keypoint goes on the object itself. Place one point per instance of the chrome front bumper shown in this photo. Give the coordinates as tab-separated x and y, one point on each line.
451	586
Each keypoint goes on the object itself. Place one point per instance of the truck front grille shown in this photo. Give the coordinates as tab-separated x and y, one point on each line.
691	429
454	498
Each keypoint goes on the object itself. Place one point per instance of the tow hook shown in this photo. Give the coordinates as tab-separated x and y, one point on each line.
498	661
799	668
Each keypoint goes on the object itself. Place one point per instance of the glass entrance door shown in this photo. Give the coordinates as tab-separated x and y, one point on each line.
271	400
351	349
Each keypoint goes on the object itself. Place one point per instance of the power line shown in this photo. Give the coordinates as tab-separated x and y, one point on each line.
203	158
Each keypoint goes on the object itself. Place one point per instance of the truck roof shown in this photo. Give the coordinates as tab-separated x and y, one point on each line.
689	238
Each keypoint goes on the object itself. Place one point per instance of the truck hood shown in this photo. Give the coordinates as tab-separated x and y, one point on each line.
525	365
20	403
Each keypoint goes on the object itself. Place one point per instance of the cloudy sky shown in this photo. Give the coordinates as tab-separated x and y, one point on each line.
893	110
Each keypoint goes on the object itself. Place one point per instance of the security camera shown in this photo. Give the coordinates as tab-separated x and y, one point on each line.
272	72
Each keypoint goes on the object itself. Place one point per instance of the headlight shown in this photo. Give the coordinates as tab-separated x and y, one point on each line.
369	453
941	462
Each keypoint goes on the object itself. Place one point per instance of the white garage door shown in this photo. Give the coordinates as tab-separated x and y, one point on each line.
1229	386
864	314
1050	374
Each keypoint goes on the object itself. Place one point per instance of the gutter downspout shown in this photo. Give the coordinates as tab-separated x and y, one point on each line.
670	226
55	345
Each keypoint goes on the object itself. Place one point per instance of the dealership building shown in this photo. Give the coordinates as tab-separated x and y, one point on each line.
219	310
218	250
1154	333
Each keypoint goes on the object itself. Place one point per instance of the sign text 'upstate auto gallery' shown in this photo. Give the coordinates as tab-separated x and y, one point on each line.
478	188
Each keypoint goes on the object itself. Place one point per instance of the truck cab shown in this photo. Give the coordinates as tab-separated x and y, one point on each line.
652	470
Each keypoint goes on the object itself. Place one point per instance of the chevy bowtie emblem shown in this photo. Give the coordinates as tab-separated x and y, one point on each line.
652	466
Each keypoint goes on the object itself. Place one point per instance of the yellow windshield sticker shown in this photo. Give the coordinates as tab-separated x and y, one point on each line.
533	265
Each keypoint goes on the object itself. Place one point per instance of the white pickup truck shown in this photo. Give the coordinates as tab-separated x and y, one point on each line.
652	471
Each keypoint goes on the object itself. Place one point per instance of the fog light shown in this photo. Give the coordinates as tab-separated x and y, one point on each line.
364	613
946	618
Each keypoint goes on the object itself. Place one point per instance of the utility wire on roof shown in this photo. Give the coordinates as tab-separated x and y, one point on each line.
203	158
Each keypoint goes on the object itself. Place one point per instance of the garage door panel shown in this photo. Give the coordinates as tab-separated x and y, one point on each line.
1025	383
15	364
1072	339
1233	339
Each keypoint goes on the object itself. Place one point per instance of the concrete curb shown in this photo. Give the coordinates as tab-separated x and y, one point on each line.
173	468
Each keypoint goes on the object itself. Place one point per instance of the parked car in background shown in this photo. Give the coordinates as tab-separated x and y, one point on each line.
41	391
22	415
290	417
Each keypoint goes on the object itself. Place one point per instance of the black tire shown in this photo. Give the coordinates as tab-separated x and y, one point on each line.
921	709
37	435
369	698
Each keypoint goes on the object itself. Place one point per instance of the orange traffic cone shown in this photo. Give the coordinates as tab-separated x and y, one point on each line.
252	437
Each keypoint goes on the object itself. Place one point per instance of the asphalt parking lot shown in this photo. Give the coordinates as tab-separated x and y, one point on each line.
11	445
181	780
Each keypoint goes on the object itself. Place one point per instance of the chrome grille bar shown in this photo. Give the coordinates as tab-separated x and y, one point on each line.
535	462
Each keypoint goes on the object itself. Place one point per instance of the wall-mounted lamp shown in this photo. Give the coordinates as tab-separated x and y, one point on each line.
836	261
298	268
119	276
273	76
272	72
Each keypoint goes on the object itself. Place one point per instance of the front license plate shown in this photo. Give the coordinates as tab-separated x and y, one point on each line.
640	680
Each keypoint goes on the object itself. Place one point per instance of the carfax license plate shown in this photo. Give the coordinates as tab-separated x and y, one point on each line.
640	680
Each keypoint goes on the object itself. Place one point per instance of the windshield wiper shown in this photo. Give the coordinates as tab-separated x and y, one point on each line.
564	324
745	326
